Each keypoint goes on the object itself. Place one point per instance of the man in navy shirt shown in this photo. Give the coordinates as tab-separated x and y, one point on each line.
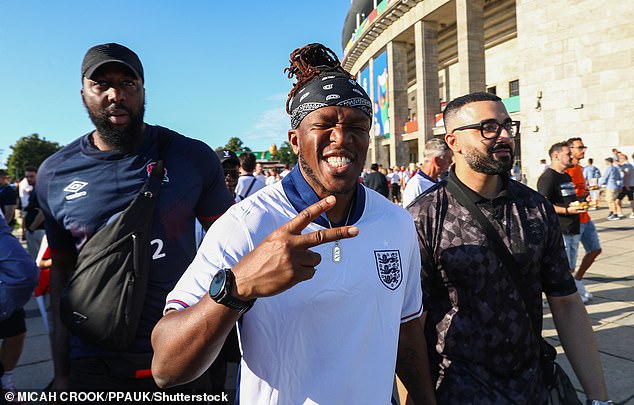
92	180
8	198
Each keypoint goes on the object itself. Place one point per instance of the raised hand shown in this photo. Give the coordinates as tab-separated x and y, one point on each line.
284	258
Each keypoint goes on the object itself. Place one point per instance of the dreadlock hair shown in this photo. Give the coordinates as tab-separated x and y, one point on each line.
309	62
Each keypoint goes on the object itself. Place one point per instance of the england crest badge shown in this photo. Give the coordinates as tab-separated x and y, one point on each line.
388	266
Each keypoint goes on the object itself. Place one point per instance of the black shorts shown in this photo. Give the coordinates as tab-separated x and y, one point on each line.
13	325
629	193
396	190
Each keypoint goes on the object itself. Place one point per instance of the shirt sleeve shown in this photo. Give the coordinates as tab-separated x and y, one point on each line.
18	273
215	198
239	189
59	238
556	277
544	185
225	243
413	300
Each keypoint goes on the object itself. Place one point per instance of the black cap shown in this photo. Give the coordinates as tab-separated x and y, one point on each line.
101	54
227	155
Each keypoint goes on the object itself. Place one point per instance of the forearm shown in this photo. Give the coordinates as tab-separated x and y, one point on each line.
9	210
412	364
39	219
61	336
577	338
186	342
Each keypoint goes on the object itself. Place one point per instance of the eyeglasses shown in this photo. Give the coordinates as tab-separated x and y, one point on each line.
579	147
491	129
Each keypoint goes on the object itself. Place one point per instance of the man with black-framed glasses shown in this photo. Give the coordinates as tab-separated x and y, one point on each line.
479	329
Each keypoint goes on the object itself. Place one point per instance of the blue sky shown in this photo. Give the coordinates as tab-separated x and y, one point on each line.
213	69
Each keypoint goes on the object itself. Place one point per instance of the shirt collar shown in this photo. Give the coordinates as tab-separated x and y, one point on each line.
505	192
422	174
301	196
89	149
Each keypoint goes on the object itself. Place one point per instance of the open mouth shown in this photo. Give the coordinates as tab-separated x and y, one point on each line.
338	161
119	118
338	165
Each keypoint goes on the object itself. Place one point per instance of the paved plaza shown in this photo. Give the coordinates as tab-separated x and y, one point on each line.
610	280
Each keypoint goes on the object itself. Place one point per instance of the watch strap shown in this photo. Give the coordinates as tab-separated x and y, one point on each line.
228	300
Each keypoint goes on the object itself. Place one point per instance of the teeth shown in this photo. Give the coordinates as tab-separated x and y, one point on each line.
338	161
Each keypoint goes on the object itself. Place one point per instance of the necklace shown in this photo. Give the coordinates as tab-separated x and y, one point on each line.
336	250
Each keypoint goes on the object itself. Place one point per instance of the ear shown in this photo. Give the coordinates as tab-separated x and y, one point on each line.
452	142
434	161
293	138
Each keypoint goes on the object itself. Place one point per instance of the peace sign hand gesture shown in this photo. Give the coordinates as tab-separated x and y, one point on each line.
284	258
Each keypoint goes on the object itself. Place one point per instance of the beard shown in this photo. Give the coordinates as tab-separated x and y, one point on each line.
308	172
121	138
486	163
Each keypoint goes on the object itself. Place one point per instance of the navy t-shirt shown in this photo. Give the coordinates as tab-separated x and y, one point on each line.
8	196
81	189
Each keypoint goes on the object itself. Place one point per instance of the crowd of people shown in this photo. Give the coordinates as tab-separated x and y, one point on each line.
335	292
612	186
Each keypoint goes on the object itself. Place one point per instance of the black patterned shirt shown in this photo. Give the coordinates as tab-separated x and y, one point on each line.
480	341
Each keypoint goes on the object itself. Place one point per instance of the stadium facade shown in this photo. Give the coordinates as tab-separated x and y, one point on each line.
562	68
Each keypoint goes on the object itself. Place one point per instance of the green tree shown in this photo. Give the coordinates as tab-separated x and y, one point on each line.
235	144
286	154
29	151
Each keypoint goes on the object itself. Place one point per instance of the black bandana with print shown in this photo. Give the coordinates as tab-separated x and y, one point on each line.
329	90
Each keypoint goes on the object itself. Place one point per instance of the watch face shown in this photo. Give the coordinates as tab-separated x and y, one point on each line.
217	283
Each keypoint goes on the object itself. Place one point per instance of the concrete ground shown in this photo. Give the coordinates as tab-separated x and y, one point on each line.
610	279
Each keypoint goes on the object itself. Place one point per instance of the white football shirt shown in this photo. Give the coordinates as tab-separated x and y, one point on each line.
331	339
416	186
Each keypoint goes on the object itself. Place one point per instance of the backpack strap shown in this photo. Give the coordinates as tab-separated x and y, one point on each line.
246	194
497	245
164	139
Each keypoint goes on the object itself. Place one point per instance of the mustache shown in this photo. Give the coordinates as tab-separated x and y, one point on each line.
117	107
340	152
500	147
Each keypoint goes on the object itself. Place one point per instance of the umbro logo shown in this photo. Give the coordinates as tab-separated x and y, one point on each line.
74	188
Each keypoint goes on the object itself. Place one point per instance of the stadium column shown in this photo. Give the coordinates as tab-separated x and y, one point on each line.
470	27
426	42
374	155
397	96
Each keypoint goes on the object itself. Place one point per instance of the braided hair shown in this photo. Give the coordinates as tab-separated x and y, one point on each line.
309	62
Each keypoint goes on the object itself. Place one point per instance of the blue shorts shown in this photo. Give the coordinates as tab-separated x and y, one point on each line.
571	243
589	237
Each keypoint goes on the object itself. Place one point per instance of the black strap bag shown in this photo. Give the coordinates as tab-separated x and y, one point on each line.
560	389
246	194
103	300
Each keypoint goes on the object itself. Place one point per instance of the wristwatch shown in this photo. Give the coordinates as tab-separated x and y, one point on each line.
220	291
597	402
